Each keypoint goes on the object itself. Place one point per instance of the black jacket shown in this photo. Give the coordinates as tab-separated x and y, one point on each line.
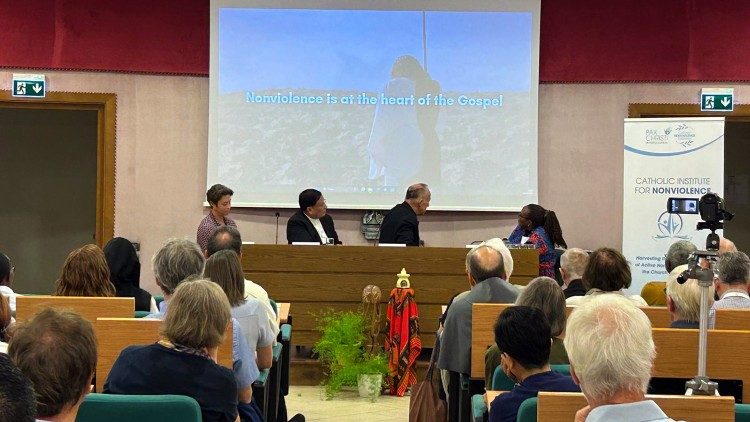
300	229
400	226
575	288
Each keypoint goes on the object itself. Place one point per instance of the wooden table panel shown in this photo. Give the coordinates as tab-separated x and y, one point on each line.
315	277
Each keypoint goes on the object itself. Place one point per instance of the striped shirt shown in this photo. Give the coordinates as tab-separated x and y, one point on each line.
732	299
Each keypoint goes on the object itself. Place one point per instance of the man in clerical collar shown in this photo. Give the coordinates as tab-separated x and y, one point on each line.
312	222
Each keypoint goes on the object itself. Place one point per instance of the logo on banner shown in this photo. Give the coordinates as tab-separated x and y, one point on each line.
684	135
681	134
670	226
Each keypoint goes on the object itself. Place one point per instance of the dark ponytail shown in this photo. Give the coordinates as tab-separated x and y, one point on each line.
553	229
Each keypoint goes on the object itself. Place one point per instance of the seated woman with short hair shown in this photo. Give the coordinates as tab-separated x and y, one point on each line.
183	362
546	295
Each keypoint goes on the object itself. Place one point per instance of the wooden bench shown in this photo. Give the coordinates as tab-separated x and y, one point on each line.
90	308
319	277
677	355
563	407
484	316
115	334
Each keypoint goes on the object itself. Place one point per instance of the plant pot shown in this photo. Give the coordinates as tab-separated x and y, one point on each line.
370	385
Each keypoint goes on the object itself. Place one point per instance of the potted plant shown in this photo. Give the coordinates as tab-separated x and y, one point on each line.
343	351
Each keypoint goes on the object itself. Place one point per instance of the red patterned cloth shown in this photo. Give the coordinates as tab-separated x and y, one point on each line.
402	344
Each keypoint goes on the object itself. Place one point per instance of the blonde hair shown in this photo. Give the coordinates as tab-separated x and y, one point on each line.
546	295
610	347
85	273
687	296
198	315
574	261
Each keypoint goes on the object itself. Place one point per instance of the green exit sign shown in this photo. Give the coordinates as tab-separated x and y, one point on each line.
29	85
717	99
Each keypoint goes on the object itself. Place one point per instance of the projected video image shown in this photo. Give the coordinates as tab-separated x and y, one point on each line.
362	103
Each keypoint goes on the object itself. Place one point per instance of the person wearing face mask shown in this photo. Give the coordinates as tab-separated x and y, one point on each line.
524	337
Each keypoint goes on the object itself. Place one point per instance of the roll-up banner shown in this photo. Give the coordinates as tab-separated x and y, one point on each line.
666	158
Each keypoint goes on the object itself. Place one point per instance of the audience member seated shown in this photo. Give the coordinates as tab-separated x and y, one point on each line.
180	260
546	295
228	237
183	361
17	399
611	352
540	227
56	350
85	273
7	271
223	268
677	254
572	265
125	273
5	325
486	276
726	245
731	284
523	335
607	272
684	300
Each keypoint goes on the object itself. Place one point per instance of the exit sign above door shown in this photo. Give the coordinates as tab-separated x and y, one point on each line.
717	99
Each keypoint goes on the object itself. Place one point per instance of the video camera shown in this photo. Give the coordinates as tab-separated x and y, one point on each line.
712	211
711	208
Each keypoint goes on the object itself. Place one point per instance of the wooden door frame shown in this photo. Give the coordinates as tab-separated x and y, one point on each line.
635	110
106	107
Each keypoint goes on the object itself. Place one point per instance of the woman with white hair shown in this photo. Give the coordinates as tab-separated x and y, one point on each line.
611	351
684	300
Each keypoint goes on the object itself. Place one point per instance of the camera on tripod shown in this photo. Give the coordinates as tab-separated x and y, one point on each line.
711	208
701	268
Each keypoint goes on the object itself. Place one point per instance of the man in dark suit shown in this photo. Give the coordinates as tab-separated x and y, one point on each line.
311	223
401	224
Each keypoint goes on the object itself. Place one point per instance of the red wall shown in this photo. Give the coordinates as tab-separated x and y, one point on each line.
581	40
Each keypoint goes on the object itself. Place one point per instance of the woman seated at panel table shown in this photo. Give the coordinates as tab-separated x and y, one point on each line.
85	273
184	360
540	227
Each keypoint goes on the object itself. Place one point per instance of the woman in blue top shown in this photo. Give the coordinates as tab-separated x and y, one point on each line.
543	230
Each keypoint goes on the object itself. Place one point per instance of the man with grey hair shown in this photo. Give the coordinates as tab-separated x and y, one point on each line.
182	260
400	225
731	284
611	351
572	265
684	300
176	261
677	254
486	275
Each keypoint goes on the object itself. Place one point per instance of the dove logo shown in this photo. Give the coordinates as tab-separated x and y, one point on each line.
670	226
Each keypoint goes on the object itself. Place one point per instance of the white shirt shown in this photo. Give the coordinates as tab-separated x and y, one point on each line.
319	227
7	291
255	291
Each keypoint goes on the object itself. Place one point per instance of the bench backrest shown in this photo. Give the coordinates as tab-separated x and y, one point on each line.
484	316
563	407
677	355
90	308
115	334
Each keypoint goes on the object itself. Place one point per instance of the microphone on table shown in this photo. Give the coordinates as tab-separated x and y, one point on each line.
277	227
